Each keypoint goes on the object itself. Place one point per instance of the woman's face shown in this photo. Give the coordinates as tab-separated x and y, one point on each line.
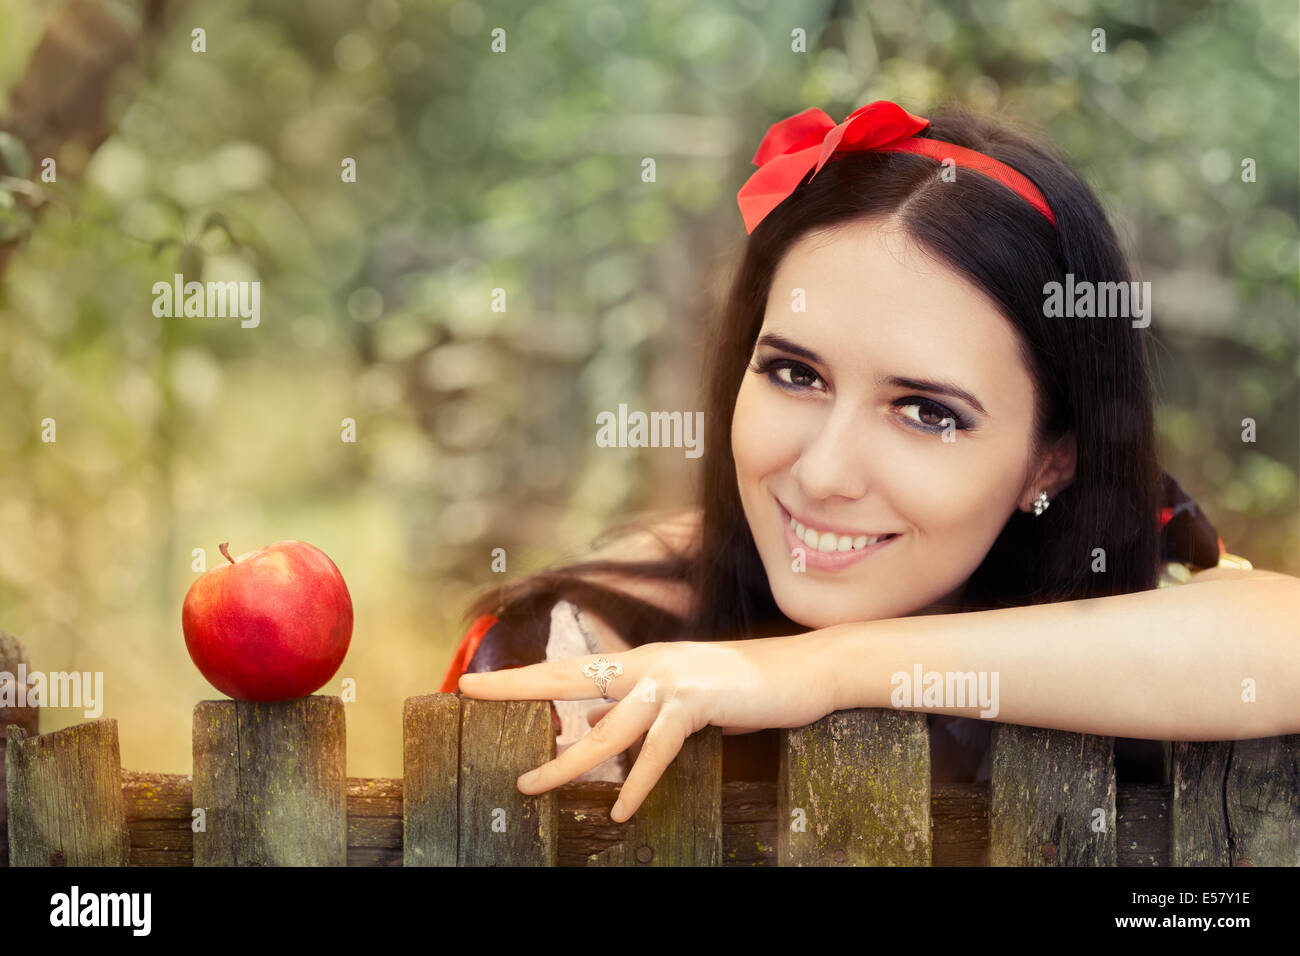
833	433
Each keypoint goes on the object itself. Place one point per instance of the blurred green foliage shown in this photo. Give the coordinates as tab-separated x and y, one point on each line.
522	171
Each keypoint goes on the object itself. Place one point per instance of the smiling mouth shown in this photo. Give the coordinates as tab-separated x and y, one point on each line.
814	559
830	542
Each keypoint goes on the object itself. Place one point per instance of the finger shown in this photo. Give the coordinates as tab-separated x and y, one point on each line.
594	714
619	729
557	680
663	742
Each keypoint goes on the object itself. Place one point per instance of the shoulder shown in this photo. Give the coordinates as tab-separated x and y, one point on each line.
657	536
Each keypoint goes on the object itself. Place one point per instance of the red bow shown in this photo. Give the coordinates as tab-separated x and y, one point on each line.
810	138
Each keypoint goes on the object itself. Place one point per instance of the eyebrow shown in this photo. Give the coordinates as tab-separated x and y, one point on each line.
774	340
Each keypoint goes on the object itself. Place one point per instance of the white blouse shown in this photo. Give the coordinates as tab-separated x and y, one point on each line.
570	637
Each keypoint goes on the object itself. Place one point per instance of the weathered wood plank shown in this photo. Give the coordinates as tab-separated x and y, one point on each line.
680	821
1262	800
585	826
854	789
15	665
65	797
376	856
270	779
150	857
158	816
1143	826
374	833
749	823
374	797
1051	798
959	812
157	796
500	740
1236	802
1199	825
960	816
615	855
430	781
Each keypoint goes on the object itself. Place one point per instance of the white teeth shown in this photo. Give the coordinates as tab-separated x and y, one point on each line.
827	541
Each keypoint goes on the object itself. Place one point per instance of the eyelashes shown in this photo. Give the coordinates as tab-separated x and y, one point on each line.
770	367
801	377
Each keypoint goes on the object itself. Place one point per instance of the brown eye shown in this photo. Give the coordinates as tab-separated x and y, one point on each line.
789	375
931	416
799	375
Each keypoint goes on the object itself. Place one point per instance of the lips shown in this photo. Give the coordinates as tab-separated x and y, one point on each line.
858	538
828	560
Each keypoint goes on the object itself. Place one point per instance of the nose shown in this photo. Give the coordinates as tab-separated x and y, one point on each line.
832	462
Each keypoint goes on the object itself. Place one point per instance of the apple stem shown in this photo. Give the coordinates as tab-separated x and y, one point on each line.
224	546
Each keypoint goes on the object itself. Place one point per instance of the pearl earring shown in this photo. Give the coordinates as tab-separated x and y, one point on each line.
1041	503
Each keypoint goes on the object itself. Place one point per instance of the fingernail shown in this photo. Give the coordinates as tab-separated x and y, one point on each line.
530	778
617	813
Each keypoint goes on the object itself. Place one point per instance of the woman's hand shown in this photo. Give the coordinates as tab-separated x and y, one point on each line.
667	692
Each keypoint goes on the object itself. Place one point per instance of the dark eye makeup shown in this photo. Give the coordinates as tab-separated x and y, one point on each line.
801	379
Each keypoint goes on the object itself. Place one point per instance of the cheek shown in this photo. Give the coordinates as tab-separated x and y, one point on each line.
946	491
762	441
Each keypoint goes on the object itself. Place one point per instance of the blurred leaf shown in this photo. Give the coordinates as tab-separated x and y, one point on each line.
14	185
14	155
15	221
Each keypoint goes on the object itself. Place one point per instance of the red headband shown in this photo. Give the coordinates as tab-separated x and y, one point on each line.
810	138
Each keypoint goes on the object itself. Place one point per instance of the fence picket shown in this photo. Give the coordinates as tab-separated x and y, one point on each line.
65	797
269	778
680	821
430	779
500	740
1051	798
1262	798
12	655
854	789
1199	823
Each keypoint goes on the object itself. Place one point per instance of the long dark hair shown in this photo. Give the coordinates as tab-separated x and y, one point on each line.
1090	375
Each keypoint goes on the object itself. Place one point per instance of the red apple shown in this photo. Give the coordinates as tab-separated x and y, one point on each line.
272	624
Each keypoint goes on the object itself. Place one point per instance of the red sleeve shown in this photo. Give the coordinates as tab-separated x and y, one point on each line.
465	652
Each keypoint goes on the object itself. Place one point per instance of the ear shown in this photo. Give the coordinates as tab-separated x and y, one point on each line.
1054	473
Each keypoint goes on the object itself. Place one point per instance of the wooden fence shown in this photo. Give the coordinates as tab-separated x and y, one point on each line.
269	788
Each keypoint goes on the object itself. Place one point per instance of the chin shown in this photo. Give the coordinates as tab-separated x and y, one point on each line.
809	608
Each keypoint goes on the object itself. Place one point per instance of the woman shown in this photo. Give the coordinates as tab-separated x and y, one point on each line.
912	464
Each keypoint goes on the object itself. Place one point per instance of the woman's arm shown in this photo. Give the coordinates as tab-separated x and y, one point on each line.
1215	659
